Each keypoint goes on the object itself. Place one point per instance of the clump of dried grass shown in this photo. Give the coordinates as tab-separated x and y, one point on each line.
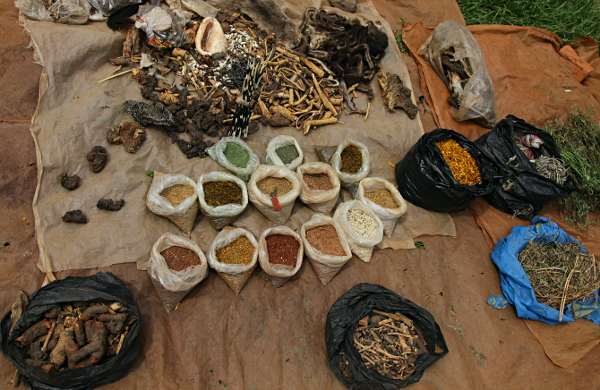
559	274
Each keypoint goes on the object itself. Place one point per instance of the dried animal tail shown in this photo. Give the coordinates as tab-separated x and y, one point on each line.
121	20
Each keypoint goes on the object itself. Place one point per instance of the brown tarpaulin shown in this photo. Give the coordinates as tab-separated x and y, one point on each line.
534	82
273	338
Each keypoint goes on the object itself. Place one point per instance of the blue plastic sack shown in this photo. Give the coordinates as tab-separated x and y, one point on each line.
516	287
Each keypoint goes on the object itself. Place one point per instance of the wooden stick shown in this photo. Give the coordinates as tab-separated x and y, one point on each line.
388	354
564	295
324	99
114	76
287	53
121	340
14	382
318	122
368	110
48	337
313	68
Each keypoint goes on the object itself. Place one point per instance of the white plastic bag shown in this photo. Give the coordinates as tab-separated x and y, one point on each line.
34	9
361	246
170	285
388	216
153	19
321	201
325	266
477	102
216	153
182	215
235	275
347	179
70	11
61	11
279	273
278	142
263	201
221	216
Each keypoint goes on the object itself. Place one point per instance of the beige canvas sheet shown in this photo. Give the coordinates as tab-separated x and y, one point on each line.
75	111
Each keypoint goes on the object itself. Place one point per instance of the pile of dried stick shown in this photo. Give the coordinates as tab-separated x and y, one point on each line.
389	343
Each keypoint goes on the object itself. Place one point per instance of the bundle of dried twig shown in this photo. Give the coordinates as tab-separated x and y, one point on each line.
559	274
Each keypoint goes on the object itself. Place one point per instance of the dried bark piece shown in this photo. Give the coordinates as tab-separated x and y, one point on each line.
130	134
70	182
395	94
17	309
110	205
75	216
97	158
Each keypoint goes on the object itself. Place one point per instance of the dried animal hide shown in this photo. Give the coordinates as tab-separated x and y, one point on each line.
268	16
351	48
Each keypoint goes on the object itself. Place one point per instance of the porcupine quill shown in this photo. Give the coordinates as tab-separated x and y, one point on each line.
251	87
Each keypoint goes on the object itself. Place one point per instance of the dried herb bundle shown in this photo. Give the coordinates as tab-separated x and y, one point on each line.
559	274
389	343
579	143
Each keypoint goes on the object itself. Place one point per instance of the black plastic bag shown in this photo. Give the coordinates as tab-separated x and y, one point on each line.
520	189
354	305
424	179
99	287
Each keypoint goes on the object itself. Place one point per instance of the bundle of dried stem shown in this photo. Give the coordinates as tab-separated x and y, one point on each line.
559	274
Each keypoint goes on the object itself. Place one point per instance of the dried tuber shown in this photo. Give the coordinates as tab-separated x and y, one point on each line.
35	331
112	317
80	334
53	313
58	356
96	334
